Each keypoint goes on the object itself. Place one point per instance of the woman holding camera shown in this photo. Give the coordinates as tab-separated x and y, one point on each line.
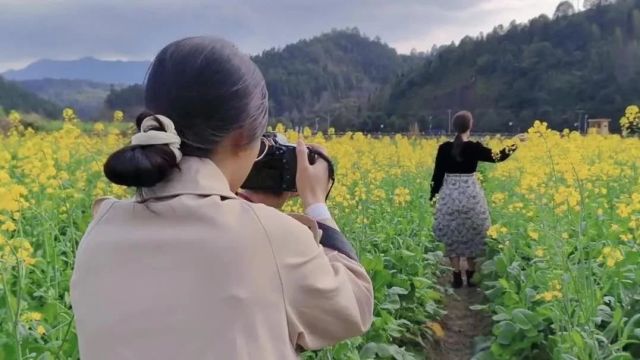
187	269
462	215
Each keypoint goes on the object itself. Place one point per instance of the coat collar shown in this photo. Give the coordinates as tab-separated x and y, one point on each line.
196	176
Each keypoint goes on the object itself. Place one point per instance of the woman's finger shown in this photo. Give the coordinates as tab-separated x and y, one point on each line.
302	154
319	148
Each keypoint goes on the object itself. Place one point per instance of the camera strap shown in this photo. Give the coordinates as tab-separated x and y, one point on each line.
332	172
333	239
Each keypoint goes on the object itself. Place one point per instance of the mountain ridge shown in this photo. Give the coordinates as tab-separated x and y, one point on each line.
86	68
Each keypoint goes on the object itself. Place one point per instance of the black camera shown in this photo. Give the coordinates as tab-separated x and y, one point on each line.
276	167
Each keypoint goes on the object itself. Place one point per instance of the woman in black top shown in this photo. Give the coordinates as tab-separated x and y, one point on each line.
462	215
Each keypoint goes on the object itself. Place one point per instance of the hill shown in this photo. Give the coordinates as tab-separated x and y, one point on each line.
88	68
85	97
13	97
555	70
329	79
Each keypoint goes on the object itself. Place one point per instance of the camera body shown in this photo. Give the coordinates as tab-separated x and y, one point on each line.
275	171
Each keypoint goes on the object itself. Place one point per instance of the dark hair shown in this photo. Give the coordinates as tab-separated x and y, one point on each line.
209	89
461	124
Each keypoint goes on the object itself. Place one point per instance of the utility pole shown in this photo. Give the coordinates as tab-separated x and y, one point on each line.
449	121
586	123
580	112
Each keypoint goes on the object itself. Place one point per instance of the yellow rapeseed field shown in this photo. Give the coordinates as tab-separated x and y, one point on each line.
562	272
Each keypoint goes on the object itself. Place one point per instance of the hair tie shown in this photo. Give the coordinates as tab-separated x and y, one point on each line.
149	135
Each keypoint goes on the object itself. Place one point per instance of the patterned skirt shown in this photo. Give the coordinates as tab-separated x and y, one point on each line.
462	216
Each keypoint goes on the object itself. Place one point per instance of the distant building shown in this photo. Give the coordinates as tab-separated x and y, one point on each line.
599	126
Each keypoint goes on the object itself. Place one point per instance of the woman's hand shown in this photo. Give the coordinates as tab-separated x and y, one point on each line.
312	181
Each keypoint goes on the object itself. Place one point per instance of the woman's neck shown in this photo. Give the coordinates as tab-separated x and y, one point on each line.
465	136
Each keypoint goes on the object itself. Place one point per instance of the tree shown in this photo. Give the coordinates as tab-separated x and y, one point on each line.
590	4
542	69
565	8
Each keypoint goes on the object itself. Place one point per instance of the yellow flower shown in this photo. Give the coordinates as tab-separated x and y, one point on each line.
41	330
498	198
401	196
69	116
534	234
565	236
31	316
280	128
8	226
437	329
496	230
14	118
118	116
611	256
553	293
539	252
306	132
549	295
623	210
378	194
626	237
98	127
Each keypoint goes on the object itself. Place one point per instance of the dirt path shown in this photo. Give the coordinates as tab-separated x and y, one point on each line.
461	325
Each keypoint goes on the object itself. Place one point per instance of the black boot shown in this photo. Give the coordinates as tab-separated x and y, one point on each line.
470	282
457	280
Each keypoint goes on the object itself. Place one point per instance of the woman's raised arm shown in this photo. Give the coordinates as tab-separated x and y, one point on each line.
327	293
485	154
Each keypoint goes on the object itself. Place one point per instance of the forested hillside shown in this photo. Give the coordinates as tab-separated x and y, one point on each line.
587	63
85	97
561	69
329	79
13	97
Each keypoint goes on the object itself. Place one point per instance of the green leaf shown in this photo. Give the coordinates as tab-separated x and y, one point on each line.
505	332
525	319
501	317
397	291
632	325
369	351
577	339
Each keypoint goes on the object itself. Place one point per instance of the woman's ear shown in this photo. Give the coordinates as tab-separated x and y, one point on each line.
239	141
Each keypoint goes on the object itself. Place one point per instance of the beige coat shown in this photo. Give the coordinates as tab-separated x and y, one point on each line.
196	273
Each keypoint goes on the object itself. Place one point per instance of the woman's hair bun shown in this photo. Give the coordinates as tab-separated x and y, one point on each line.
140	165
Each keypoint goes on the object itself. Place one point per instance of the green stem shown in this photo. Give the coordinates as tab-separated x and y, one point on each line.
16	320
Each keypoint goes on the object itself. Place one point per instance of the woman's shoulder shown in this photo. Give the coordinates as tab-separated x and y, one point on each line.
275	221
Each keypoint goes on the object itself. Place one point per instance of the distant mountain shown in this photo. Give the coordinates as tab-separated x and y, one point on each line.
13	97
85	97
88	68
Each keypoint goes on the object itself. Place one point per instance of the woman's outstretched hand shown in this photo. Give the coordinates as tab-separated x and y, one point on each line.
312	181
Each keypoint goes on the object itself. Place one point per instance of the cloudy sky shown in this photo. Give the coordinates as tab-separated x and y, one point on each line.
137	29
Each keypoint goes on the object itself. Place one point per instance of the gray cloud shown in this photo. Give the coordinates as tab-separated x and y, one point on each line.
126	29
